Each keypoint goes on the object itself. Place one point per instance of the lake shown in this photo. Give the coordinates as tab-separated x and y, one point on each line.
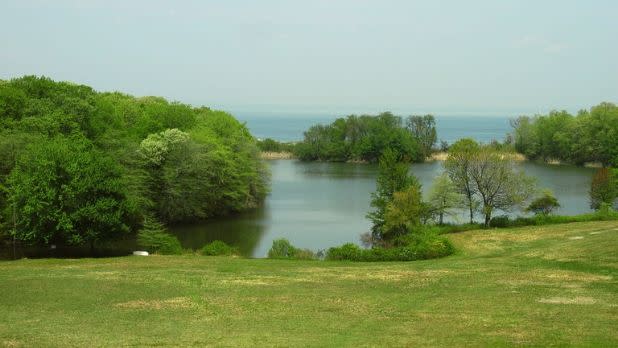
318	205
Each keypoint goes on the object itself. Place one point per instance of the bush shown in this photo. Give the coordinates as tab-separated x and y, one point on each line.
348	251
218	248
283	249
500	221
421	244
154	238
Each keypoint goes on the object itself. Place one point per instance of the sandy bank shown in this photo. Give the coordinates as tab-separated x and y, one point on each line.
441	156
276	155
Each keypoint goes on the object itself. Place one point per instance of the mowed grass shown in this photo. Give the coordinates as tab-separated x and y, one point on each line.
538	286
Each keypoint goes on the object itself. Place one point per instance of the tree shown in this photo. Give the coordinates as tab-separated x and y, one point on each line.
602	188
458	165
444	197
392	177
65	191
497	183
544	205
424	130
404	211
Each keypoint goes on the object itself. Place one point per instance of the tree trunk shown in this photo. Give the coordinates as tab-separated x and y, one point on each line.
487	218
441	217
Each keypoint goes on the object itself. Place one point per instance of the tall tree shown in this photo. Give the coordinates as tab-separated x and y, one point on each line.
444	197
392	177
424	130
458	165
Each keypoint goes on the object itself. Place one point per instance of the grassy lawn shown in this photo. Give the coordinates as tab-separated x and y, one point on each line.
539	286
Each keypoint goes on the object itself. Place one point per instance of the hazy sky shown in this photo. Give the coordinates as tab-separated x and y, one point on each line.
488	57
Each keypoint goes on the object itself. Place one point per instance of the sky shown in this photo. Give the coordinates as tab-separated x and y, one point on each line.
325	56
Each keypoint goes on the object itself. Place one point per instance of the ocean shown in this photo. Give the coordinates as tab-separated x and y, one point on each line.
290	127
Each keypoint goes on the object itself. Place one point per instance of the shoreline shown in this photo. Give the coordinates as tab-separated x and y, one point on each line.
437	156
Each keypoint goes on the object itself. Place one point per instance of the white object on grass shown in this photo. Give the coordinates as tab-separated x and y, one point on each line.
140	253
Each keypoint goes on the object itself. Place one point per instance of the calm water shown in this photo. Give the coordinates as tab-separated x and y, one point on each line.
449	128
319	205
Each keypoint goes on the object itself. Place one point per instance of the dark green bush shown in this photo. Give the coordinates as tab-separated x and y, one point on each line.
154	238
500	221
283	249
218	248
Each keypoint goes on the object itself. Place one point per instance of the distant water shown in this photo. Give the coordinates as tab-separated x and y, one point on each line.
450	128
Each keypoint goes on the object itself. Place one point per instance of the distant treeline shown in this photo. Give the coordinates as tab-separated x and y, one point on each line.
589	136
78	166
365	137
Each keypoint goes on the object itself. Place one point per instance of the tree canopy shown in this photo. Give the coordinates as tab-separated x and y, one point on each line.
79	165
361	138
589	136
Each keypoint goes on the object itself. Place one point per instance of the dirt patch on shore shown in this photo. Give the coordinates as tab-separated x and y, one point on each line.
276	155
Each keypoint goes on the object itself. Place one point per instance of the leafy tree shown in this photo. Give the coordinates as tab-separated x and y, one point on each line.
392	177
153	236
458	167
544	205
602	188
444	197
404	211
358	138
497	183
590	136
424	130
67	192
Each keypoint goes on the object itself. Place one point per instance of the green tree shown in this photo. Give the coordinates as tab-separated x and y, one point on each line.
444	197
602	188
405	211
424	130
65	191
392	177
544	205
458	166
497	183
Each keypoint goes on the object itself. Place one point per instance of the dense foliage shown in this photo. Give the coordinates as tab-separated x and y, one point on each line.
283	249
154	238
271	145
603	188
364	138
393	176
80	166
218	248
423	244
589	136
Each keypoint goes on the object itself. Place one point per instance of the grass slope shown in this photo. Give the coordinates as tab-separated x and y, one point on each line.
539	286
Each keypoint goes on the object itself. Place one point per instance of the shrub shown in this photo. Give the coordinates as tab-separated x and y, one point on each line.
423	243
283	249
500	221
154	238
349	251
218	248
544	205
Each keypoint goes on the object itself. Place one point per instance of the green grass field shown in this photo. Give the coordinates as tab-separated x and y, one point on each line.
539	286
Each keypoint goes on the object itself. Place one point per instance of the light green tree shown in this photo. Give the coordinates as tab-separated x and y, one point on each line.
458	165
444	197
